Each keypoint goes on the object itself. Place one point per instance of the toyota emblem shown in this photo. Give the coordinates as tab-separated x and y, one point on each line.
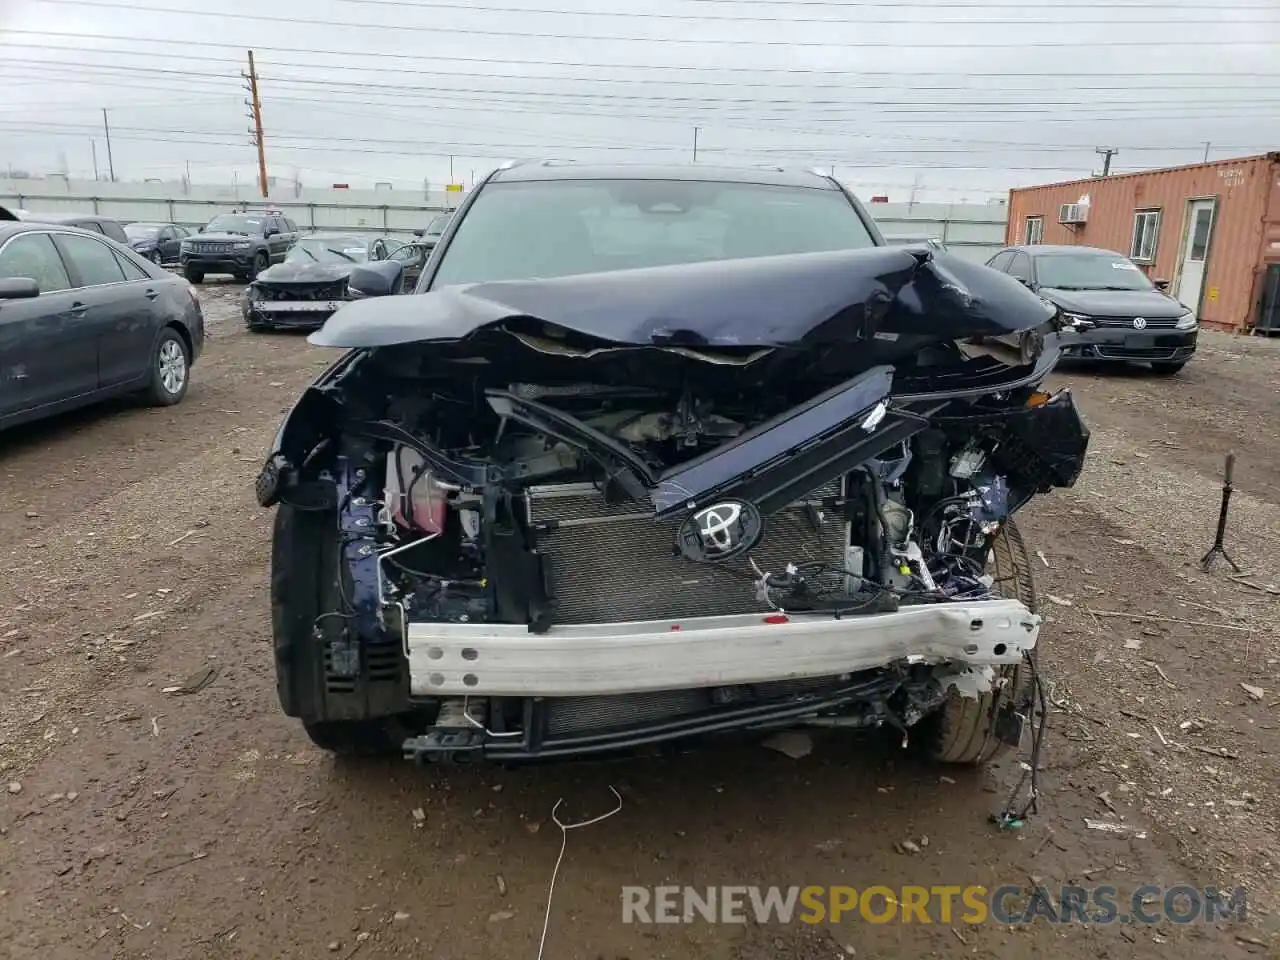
720	532
1139	323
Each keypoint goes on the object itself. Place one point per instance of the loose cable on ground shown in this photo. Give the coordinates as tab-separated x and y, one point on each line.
564	842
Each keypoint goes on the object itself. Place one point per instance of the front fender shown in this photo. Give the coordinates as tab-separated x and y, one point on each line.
301	430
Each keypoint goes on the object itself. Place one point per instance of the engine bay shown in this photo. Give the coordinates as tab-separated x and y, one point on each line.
467	512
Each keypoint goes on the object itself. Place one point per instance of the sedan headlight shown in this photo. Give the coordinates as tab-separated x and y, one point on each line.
243	244
1186	322
1076	321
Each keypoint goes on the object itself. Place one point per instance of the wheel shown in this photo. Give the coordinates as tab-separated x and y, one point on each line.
193	275
155	257
260	263
963	729
170	369
1167	369
1029	346
361	720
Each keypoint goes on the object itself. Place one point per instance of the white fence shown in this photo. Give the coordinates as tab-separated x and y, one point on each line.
973	231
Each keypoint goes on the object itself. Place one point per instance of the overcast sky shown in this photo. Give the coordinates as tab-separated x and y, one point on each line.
937	99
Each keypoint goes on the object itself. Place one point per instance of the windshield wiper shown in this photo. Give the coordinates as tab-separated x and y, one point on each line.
309	254
339	253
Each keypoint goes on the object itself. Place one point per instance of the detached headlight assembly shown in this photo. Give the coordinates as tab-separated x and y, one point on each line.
1075	321
1186	322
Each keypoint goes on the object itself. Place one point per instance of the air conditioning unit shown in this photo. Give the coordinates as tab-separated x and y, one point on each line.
1073	213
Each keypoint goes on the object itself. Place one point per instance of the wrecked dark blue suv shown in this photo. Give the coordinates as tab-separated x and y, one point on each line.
725	464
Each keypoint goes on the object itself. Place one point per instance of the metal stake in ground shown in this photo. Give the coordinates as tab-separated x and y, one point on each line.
1218	549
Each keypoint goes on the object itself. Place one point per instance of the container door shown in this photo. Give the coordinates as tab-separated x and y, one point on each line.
1195	251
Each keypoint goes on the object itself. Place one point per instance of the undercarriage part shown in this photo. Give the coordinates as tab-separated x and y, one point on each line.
457	732
857	695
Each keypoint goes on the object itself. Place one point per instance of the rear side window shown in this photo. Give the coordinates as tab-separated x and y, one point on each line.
93	261
131	270
33	255
1000	261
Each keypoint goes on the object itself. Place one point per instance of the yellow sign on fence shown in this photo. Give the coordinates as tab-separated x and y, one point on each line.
453	188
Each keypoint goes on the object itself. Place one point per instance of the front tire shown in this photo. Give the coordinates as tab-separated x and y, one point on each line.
304	561
193	274
156	258
260	263
963	729
170	369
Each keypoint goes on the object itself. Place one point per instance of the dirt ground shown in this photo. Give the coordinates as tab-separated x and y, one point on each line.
142	823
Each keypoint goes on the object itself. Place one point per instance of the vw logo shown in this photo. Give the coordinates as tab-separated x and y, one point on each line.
720	531
1139	323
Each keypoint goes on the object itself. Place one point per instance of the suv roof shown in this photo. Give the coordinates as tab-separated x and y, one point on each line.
64	217
557	170
1053	249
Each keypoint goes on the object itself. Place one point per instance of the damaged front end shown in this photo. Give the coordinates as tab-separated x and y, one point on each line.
582	514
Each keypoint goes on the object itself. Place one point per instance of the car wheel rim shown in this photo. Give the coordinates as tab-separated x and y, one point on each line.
173	366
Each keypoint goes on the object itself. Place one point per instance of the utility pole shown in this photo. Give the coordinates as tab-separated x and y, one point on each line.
93	145
106	128
695	144
1106	153
256	106
1206	151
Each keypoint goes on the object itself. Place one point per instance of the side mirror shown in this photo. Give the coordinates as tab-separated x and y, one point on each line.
381	278
1162	285
18	288
1027	282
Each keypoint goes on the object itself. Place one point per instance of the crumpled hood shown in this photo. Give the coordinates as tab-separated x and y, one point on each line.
303	273
799	300
1115	303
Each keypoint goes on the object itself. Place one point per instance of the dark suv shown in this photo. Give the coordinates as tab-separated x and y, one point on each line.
241	244
82	221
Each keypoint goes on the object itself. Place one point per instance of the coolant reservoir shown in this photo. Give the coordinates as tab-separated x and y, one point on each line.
414	496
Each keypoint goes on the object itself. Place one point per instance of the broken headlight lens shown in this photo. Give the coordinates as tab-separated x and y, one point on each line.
1186	322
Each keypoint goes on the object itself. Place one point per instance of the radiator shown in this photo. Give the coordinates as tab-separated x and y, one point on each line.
614	562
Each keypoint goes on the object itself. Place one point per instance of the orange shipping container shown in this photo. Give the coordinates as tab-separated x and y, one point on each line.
1210	229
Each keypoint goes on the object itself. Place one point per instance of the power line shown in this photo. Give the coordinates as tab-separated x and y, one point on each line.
505	154
604	38
1005	107
1071	14
130	69
983	4
382	68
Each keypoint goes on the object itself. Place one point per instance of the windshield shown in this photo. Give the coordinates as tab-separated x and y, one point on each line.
436	227
142	231
1090	271
597	225
234	223
328	250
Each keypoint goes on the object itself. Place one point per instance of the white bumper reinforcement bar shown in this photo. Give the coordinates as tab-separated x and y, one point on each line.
472	659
